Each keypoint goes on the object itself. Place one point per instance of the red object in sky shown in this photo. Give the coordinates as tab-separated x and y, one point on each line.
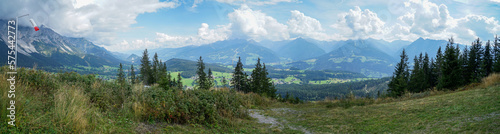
34	25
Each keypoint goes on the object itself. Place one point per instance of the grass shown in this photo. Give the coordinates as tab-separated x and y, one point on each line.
72	103
468	111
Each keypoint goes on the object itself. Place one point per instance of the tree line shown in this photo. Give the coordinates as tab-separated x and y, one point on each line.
155	72
151	72
448	70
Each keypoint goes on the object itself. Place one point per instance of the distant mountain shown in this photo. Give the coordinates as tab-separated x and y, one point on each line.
354	55
423	46
47	48
390	48
224	52
300	49
133	58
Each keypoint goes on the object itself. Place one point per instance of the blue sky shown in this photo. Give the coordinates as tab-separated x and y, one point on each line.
137	24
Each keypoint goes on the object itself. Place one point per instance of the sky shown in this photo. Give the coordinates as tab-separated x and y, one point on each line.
125	25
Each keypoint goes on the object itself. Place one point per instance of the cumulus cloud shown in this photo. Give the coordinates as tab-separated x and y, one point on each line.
429	20
360	24
205	36
97	21
249	24
255	2
137	44
426	17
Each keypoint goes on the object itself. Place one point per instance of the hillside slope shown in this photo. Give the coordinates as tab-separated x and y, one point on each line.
469	111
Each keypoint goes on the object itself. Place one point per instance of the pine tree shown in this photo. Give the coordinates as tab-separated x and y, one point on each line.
132	75
202	80
145	68
450	72
436	68
426	71
433	74
267	82
466	74
487	60
156	69
415	77
121	75
399	82
210	82
474	67
179	81
496	53
239	79
256	82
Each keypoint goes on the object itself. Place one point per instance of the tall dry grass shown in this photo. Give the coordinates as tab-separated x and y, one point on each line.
73	111
491	80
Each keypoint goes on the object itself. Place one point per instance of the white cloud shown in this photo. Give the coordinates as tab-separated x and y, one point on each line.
249	24
426	17
428	20
255	2
304	25
360	24
205	36
96	21
138	44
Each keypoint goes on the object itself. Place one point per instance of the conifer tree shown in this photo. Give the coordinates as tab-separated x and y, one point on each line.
487	64
464	59
399	82
414	82
257	79
426	71
496	53
179	81
267	82
474	67
121	75
239	79
145	68
132	75
202	80
156	69
450	72
210	80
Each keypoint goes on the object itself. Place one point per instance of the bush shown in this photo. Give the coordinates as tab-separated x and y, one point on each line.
491	80
192	106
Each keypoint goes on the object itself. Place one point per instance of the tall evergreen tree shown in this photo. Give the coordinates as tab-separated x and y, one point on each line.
145	68
426	71
415	80
450	72
487	60
399	82
496	53
132	75
256	83
437	66
121	75
464	59
210	80
202	80
474	67
156	69
239	78
268	85
179	81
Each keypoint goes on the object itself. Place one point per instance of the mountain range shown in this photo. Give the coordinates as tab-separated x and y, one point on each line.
48	48
371	57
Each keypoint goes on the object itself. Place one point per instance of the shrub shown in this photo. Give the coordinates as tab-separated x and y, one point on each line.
492	79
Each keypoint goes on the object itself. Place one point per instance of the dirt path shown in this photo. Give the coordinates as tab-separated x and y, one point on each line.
254	113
